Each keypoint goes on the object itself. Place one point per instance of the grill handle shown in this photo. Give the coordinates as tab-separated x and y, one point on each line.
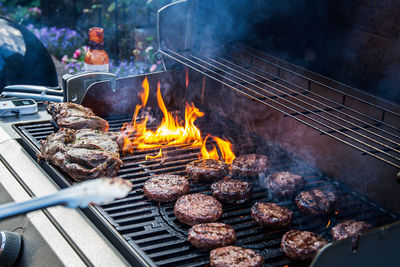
97	191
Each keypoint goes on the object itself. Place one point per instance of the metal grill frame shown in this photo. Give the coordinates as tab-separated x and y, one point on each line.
163	213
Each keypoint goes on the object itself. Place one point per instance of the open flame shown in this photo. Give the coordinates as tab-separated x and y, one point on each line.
159	155
171	131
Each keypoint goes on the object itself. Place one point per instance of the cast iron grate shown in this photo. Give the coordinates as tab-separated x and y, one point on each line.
152	229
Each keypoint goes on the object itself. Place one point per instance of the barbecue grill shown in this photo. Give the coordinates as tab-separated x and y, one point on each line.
337	137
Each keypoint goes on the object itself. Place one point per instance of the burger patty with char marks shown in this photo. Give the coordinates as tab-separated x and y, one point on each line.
301	245
349	228
231	191
284	183
316	201
211	235
197	208
208	170
235	256
271	215
166	187
250	165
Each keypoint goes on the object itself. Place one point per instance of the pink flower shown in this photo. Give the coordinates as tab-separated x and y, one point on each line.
64	59
77	53
153	67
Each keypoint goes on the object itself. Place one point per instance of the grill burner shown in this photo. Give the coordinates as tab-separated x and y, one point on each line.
152	229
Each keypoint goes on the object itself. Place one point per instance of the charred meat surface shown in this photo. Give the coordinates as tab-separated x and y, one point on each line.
284	183
231	191
197	208
349	228
208	170
250	165
301	245
166	187
74	116
211	235
85	154
235	256
271	215
316	201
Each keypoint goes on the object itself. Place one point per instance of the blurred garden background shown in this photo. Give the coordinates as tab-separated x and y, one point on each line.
62	26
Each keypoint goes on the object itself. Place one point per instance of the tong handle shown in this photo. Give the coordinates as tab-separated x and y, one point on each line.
35	89
12	209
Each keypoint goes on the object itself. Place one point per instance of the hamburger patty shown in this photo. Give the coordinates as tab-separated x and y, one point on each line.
231	191
316	201
208	170
166	187
284	183
235	256
349	228
250	165
271	215
211	235
197	208
301	245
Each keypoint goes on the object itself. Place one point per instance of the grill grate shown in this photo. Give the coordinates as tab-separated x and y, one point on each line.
347	115
152	229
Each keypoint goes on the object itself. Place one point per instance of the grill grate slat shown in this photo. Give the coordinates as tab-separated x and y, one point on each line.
153	229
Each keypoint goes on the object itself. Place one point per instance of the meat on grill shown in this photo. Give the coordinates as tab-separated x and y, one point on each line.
250	165
208	170
284	183
211	235
316	201
231	191
301	245
83	154
197	208
166	187
74	116
350	228
271	215
235	256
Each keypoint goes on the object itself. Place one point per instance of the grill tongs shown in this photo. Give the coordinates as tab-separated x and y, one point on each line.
98	191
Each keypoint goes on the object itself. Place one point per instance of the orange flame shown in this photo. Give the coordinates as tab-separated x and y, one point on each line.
159	155
187	76
329	223
171	131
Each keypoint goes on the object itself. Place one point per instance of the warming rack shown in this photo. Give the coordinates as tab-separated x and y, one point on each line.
357	119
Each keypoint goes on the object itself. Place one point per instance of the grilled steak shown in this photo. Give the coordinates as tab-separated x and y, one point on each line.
84	154
316	201
271	215
208	170
301	245
197	208
74	116
235	256
231	191
284	183
349	228
211	235
250	165
166	187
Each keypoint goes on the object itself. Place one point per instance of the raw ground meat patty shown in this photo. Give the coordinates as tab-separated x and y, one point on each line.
166	187
284	183
271	215
235	256
316	201
197	208
250	165
208	170
211	235
231	191
301	245
349	228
